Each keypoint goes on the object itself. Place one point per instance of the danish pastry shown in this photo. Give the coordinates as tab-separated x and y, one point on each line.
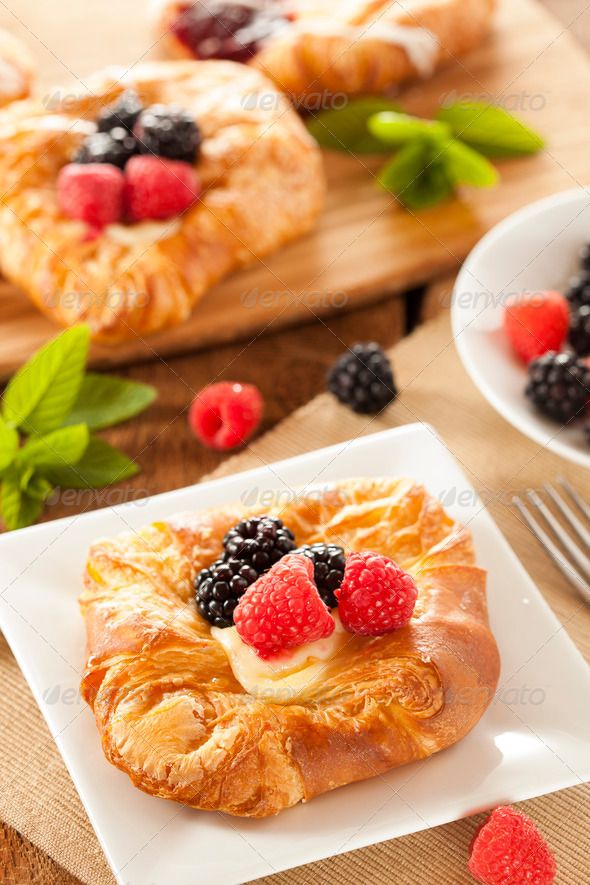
261	181
16	69
316	47
185	715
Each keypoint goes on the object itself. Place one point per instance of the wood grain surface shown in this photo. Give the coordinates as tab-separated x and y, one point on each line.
364	244
74	38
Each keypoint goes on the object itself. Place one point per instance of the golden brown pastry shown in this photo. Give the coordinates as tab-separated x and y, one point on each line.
312	48
16	69
172	714
262	183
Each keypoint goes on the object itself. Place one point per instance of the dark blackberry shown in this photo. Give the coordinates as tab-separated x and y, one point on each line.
578	291
116	147
579	333
168	131
362	379
559	385
328	568
585	257
124	112
233	31
219	588
260	542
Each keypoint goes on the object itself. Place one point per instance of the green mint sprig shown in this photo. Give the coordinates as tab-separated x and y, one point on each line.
434	157
49	411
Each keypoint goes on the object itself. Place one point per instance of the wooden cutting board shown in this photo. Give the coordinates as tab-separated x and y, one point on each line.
365	246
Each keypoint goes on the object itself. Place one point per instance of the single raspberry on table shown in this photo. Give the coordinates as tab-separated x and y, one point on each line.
158	188
376	596
509	850
92	192
283	609
536	322
226	414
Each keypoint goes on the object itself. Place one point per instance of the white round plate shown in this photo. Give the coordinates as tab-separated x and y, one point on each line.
536	248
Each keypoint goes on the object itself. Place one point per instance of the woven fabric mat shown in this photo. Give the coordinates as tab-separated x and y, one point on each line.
38	797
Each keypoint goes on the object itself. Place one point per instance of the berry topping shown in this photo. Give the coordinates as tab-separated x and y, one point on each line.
219	589
585	257
328	569
578	291
579	334
234	31
168	131
91	193
115	147
259	541
376	595
124	112
226	414
362	379
156	188
559	386
536	322
283	609
509	850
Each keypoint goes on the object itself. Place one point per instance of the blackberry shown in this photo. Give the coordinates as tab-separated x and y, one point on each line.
259	542
168	131
219	588
579	333
116	147
124	112
362	379
578	291
559	385
328	568
232	31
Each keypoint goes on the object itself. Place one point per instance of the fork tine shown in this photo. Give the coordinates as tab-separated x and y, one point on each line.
573	576
567	512
574	551
575	496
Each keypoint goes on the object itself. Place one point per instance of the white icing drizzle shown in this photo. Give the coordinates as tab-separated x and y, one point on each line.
11	79
420	44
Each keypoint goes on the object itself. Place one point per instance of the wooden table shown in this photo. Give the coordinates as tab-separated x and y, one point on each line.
289	368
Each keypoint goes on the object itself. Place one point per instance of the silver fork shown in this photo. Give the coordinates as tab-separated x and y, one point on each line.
576	565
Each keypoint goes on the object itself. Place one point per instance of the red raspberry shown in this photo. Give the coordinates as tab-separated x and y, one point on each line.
158	188
283	609
536	322
509	850
376	596
91	192
226	414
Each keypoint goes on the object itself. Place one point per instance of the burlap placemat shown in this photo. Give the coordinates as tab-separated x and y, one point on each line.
38	797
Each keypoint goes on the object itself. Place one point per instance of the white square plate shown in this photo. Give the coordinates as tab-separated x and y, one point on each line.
533	739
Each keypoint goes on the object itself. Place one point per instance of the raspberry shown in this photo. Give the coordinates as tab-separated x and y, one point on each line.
92	192
376	596
156	188
226	414
536	322
509	850
283	609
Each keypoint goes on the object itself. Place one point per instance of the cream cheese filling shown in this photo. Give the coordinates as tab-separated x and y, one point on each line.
288	678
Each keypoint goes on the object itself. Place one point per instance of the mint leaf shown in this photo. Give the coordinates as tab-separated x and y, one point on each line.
491	130
417	177
101	465
345	129
395	129
8	444
63	447
37	487
19	509
466	166
43	391
104	401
